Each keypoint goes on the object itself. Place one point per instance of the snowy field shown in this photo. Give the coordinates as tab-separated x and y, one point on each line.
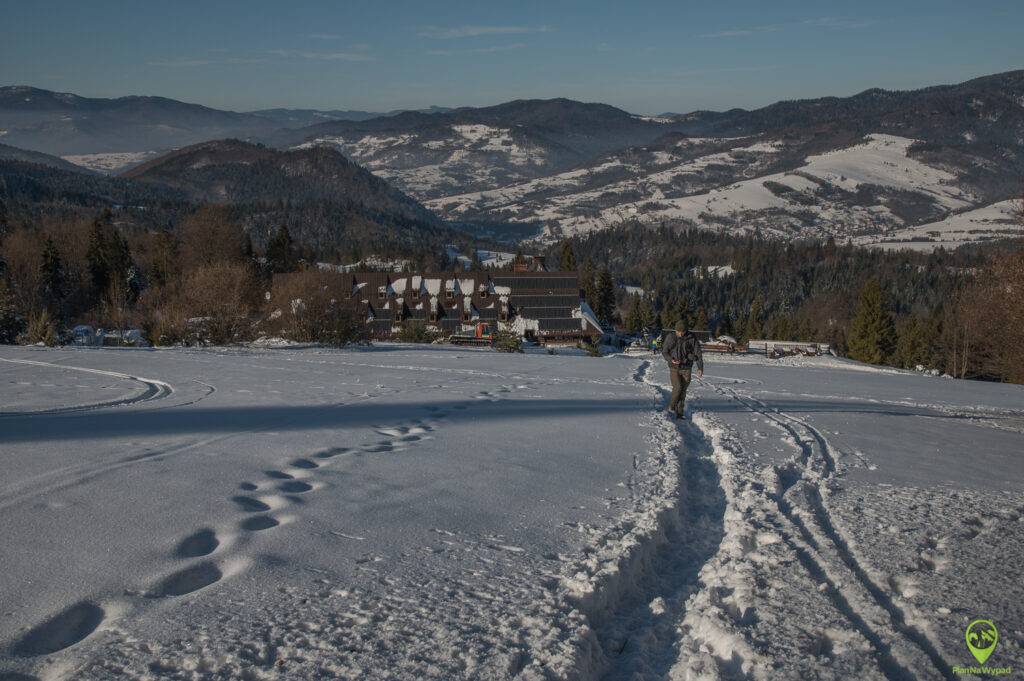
410	512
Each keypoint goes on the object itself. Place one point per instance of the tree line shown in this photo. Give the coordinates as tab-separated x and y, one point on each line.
957	312
201	283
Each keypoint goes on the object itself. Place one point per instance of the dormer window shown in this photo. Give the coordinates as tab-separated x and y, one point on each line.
415	294
484	293
449	294
465	315
433	316
382	292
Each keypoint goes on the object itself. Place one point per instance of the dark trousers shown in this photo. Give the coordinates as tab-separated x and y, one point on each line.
680	382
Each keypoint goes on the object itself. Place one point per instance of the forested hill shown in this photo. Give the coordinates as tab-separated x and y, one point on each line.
332	207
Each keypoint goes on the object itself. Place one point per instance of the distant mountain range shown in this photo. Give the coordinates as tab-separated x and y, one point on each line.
440	154
924	167
299	118
65	124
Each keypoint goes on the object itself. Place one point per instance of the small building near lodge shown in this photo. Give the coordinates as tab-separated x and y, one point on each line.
543	306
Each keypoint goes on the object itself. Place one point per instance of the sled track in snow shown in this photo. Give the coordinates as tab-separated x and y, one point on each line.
155	390
636	640
816	448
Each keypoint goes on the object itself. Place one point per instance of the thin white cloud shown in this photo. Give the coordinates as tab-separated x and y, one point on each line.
736	32
322	56
834	23
184	62
355	55
325	36
449	32
839	23
479	50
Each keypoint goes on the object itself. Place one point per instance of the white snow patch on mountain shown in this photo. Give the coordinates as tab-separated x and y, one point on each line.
111	162
996	221
881	161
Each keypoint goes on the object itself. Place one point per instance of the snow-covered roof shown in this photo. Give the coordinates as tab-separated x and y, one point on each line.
433	286
587	315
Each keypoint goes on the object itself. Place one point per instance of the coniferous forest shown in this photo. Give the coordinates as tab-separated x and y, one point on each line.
952	311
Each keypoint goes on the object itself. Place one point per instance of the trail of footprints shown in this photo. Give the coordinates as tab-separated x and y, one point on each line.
284	487
259	503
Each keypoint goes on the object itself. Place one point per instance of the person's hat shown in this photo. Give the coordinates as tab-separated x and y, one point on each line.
681	326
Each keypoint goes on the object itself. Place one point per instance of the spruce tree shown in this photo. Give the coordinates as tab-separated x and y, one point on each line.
754	328
646	314
872	336
280	252
52	278
633	318
98	258
588	283
605	295
567	261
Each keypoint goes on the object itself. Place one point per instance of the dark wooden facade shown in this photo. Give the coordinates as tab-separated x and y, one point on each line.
545	306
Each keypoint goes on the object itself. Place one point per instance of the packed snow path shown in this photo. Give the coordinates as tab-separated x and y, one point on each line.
408	512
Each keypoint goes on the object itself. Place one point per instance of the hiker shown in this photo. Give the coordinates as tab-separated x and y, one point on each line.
681	350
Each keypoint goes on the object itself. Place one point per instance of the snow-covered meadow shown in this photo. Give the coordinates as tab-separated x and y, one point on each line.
433	512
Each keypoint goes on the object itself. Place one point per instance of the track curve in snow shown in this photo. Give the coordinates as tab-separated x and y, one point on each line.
154	390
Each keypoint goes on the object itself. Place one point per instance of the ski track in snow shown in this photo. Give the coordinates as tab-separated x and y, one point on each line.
817	529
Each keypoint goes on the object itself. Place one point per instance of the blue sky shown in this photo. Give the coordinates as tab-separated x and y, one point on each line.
646	57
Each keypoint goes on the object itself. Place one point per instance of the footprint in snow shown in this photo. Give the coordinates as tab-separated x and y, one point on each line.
332	452
201	543
258	523
187	581
305	463
61	631
250	505
294	487
278	475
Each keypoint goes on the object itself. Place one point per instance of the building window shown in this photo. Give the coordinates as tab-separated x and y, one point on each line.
382	292
485	293
465	315
415	294
433	316
449	294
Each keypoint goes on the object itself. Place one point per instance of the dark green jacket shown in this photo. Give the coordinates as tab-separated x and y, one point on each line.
686	350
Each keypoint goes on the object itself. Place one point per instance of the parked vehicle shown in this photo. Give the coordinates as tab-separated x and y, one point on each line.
483	334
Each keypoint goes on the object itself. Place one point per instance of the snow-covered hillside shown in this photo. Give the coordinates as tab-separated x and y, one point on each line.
447	161
111	163
872	191
410	512
995	221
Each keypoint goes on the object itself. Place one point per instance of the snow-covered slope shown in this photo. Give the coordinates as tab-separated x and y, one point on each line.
999	220
440	513
446	161
872	190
